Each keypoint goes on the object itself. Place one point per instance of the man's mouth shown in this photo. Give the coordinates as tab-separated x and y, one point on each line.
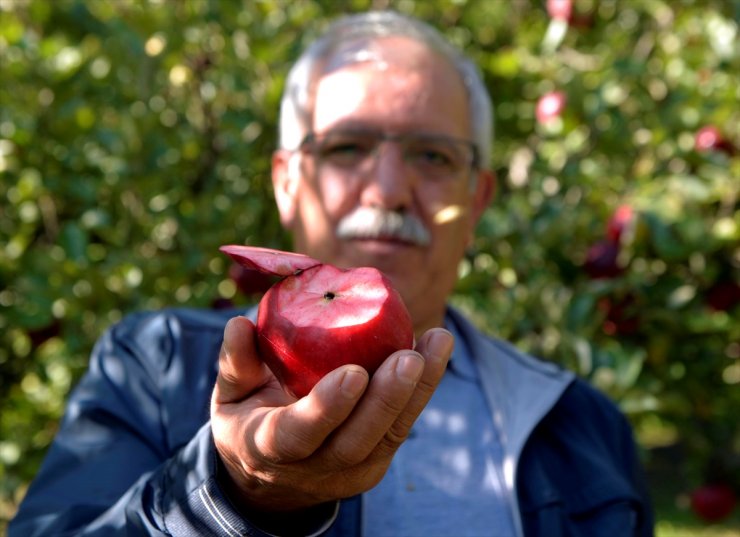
383	239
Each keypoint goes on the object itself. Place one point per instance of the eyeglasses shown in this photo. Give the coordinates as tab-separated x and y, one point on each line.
432	157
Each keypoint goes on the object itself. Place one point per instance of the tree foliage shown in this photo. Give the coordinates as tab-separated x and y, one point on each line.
135	138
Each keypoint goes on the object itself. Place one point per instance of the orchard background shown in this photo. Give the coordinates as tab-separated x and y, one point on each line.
135	138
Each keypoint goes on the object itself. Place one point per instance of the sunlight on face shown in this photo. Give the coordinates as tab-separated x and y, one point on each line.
409	90
449	213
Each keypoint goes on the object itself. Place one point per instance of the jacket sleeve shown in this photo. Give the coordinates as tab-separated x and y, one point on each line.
134	454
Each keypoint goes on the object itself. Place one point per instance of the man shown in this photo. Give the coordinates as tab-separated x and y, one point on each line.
383	161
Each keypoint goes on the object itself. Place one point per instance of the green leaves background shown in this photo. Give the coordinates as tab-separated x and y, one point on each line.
135	138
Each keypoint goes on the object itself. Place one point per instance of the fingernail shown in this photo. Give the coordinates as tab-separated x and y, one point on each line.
441	344
353	382
228	336
409	367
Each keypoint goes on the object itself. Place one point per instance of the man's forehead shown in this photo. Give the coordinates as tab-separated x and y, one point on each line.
389	80
383	51
393	96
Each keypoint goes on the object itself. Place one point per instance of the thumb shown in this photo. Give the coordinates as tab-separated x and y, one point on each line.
240	370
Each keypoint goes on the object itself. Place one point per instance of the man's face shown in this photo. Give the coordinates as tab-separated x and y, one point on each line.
420	94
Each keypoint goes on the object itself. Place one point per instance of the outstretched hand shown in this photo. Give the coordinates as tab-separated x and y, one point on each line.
287	454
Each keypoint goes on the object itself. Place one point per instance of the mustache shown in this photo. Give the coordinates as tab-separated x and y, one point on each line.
374	223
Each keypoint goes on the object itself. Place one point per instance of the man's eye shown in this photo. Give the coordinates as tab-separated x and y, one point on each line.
345	152
429	156
346	148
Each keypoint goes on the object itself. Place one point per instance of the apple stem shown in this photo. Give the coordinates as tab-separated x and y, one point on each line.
329	295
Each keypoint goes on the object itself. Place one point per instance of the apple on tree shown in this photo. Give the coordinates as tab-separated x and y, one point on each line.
713	502
709	138
602	260
559	9
564	10
550	106
623	217
319	317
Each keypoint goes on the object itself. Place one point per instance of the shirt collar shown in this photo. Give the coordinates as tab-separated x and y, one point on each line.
461	361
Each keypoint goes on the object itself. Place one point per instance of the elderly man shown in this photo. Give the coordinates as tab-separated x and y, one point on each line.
383	161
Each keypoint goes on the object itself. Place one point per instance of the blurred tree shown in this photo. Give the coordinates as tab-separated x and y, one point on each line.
135	138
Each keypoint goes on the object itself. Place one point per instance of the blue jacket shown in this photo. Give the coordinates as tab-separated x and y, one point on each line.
134	454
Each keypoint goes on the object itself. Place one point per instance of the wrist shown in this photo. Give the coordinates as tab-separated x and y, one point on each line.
308	522
304	522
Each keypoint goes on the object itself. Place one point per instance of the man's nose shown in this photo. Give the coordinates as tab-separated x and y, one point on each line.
389	184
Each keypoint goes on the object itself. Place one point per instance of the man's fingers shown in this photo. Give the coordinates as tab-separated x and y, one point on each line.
240	369
294	432
345	416
436	347
388	394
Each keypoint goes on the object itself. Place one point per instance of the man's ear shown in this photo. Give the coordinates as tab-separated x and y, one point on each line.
485	188
285	177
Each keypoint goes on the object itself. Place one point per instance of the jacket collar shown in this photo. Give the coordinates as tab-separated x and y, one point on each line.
520	390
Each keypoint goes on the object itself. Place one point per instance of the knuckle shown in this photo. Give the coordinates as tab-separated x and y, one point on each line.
348	456
394	438
390	443
295	446
390	407
325	422
277	444
427	386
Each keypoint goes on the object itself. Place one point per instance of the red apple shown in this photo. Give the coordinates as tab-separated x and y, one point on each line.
250	281
319	317
602	260
550	106
713	502
709	138
619	222
724	295
40	335
559	9
621	315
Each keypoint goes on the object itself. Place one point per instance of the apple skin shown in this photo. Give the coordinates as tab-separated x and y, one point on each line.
320	317
301	355
619	222
724	295
713	502
249	281
550	106
602	260
559	9
710	138
621	315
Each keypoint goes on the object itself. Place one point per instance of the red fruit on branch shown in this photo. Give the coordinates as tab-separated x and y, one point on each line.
550	106
621	315
619	222
40	335
709	138
723	295
319	317
559	9
602	260
713	502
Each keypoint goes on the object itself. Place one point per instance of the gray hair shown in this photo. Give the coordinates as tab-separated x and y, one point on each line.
345	41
